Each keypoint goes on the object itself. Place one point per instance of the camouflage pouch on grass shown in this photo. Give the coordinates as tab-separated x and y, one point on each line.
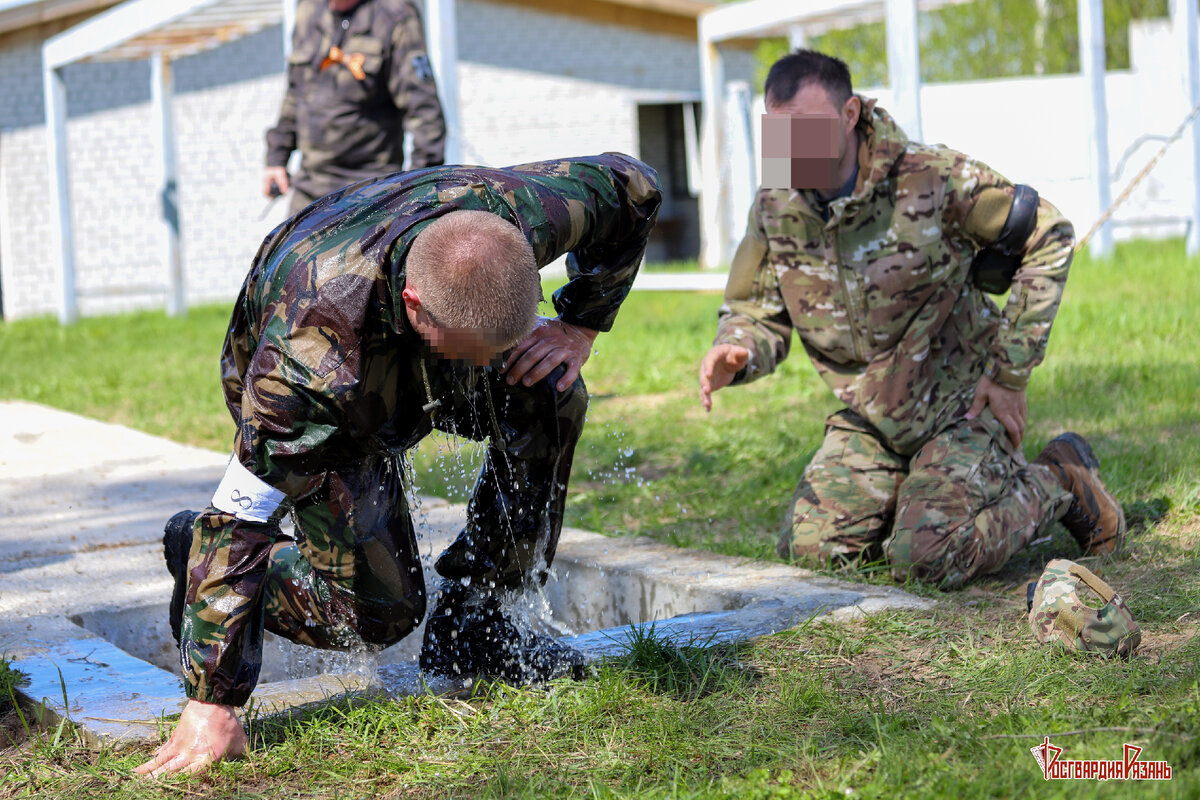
1057	614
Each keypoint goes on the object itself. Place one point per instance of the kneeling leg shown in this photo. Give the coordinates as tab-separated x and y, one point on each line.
353	576
843	506
969	503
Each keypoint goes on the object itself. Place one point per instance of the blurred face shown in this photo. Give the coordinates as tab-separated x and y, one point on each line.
466	346
809	140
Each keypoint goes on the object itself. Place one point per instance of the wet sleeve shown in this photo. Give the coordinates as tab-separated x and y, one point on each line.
288	418
414	91
600	212
978	203
754	315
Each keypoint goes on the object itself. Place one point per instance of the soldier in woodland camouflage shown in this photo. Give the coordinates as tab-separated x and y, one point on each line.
358	78
338	361
875	271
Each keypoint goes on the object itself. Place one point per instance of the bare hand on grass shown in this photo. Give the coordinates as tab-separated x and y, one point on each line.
717	369
206	733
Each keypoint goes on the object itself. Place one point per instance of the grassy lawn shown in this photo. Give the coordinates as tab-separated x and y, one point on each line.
941	704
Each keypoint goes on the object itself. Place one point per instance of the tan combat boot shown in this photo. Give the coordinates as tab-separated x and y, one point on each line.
1095	518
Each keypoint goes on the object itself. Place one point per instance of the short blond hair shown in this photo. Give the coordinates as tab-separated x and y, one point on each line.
474	270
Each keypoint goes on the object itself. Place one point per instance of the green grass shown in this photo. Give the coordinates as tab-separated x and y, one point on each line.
899	705
934	704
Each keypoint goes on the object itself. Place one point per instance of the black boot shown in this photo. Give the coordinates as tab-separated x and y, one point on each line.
469	633
177	542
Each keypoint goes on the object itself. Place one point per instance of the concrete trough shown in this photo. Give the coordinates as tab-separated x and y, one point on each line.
86	618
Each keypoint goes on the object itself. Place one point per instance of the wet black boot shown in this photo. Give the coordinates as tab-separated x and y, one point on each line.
469	633
177	542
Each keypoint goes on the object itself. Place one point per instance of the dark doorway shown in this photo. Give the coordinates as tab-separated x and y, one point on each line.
662	142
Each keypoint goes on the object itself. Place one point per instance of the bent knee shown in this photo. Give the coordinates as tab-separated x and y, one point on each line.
947	556
384	624
934	538
572	402
832	534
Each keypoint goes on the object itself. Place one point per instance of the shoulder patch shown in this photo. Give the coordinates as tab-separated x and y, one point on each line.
421	67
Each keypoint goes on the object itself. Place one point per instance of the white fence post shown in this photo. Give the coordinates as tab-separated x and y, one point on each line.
713	234
1092	63
1183	23
904	65
442	32
60	192
162	95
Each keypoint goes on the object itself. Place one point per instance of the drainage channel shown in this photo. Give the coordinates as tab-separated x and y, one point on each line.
83	589
113	669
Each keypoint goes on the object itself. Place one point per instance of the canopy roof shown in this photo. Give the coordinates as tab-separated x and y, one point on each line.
139	29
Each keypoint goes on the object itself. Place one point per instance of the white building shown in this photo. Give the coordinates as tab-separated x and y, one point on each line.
536	79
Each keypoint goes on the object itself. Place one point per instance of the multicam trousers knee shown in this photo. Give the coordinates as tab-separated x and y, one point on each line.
958	508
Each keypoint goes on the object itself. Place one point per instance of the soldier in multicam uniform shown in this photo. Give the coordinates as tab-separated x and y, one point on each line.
358	78
878	277
361	327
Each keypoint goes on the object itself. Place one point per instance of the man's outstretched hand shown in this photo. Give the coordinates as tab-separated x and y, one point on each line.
205	734
1007	405
717	369
552	342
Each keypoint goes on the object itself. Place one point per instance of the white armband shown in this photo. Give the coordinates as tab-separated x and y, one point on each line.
246	496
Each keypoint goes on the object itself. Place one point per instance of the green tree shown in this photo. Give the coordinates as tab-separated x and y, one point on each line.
982	39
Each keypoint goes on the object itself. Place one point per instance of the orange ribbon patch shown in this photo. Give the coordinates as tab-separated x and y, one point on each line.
352	61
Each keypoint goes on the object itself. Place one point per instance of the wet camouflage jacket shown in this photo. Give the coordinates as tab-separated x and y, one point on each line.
321	366
348	118
880	294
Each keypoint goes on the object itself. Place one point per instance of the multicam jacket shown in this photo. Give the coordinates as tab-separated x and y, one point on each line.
321	365
347	115
880	294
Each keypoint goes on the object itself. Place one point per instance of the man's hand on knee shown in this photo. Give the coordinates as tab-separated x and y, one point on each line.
205	734
551	343
717	369
1008	406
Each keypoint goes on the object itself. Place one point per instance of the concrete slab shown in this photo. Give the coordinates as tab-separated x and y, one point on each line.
83	589
70	484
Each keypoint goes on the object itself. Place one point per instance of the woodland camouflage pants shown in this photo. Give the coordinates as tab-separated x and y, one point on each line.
354	575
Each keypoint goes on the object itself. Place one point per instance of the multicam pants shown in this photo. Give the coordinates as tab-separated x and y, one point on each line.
959	507
354	575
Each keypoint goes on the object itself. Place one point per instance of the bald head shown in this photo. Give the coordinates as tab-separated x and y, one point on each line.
473	271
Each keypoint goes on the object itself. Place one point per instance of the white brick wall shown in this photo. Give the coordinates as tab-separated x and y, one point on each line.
224	101
533	86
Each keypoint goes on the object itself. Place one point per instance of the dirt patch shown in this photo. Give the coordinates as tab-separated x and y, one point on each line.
12	733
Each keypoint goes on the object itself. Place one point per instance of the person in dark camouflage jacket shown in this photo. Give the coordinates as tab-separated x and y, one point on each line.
876	277
335	365
358	78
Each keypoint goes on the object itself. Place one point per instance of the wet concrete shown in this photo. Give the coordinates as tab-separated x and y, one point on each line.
83	589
